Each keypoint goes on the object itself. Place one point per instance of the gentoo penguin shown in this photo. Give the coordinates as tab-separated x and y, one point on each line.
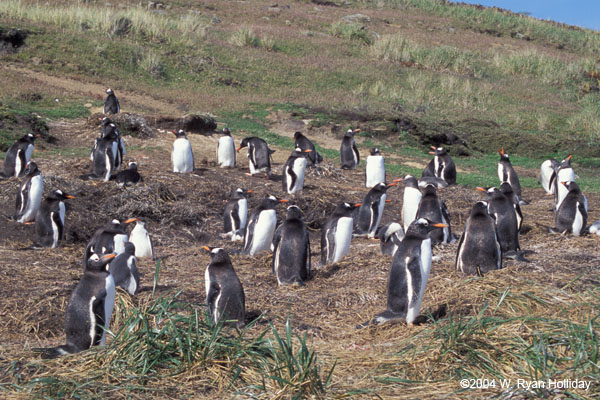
506	173
479	249
441	166
305	144
595	228
564	173
236	214
141	239
50	219
108	239
546	171
29	195
507	190
226	150
369	214
105	154
435	210
89	310
224	292
502	210
375	170
336	234
293	171
390	236
18	155
348	151
129	177
124	270
410	201
259	155
432	180
409	274
291	249
182	156
259	231
571	216
108	128
111	103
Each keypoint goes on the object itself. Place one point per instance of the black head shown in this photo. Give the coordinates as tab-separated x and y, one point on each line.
226	132
409	181
480	208
492	192
179	134
31	168
293	212
571	186
375	151
244	143
129	248
239	193
105	121
422	226
566	163
109	91
271	201
218	255
30	137
503	155
346	209
298	135
351	133
133	166
98	262
59	195
506	188
138	221
430	189
438	151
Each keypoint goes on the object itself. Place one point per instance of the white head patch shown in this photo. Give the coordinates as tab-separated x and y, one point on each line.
58	192
271	197
115	221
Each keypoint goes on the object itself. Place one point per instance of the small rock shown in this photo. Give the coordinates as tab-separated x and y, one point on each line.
357	18
288	22
451	30
88	105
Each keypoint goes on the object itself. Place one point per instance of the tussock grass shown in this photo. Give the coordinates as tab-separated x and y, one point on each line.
245	37
351	31
398	48
587	118
133	21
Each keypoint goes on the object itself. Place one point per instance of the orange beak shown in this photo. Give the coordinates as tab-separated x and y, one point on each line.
130	220
569	157
99	119
307	150
481	189
206	248
440	225
388	201
108	256
392	184
239	148
433	147
357	130
564	184
398	180
501	151
357	204
283	200
432	152
249	191
69	196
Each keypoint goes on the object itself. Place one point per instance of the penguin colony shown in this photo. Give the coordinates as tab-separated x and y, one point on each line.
490	234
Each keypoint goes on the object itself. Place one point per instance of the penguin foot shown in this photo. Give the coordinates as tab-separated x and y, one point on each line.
517	255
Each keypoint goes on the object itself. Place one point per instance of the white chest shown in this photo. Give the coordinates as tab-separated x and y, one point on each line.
343	237
299	167
226	152
564	175
109	303
375	170
242	212
182	156
141	239
263	231
36	189
375	223
410	205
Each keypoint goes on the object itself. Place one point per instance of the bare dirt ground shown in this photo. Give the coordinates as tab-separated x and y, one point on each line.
184	213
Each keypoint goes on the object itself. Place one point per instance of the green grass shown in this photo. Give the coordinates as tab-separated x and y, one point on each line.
351	31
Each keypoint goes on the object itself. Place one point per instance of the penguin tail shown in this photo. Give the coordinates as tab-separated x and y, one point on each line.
517	255
523	202
48	353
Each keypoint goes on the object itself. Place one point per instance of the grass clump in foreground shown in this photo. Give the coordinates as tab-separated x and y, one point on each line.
168	346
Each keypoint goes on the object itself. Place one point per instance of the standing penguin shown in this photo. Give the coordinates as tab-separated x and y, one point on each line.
259	155
479	250
89	310
103	159
348	151
507	191
258	234
410	201
29	195
390	236
547	170
124	270
409	274
50	219
224	292
141	239
111	103
304	143
129	177
108	128
564	173
375	170
226	150
182	156
236	214
572	215
502	210
506	173
435	210
337	233
441	166
293	171
291	249
108	239
18	155
370	212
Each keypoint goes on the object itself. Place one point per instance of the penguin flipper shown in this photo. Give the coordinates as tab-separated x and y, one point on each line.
213	293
